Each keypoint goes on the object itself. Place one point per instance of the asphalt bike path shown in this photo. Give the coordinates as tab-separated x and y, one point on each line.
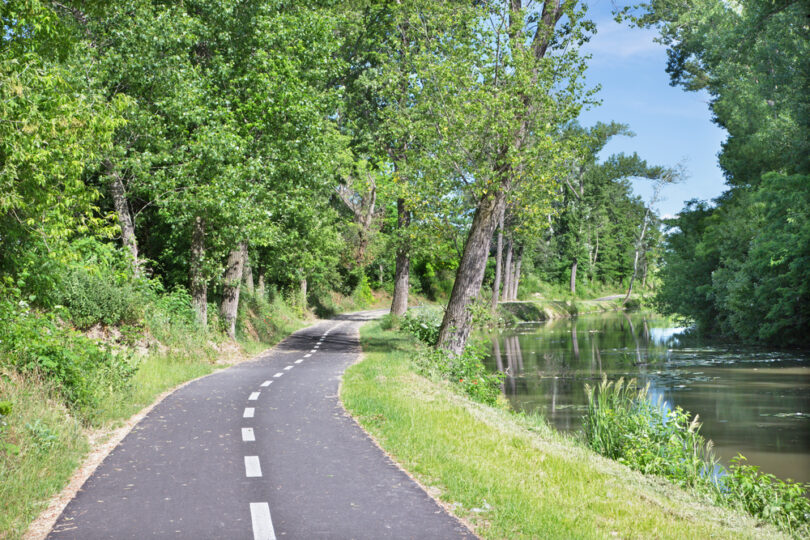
261	450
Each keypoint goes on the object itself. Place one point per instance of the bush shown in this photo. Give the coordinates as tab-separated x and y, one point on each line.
466	371
766	497
362	295
390	322
423	324
93	298
81	369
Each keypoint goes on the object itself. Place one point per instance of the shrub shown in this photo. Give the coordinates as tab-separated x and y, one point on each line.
81	368
362	295
766	497
93	298
466	371
390	322
423	324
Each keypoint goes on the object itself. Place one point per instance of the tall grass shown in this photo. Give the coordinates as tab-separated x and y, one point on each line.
623	423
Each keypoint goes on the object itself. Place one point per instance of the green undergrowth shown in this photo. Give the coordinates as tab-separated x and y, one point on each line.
512	476
61	381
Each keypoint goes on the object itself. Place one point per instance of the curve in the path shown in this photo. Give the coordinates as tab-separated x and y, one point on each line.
261	450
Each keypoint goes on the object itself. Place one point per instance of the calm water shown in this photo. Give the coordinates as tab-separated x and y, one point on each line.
752	401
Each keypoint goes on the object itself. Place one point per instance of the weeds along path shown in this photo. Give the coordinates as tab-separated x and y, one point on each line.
260	450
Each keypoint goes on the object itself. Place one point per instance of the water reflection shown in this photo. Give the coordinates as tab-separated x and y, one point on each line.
752	401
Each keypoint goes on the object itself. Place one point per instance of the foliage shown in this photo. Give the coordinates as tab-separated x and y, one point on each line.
622	423
82	370
783	503
422	324
465	371
742	268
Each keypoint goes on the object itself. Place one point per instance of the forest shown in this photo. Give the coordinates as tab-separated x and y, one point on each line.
213	148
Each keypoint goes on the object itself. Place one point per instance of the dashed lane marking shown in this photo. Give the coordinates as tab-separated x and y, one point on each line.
299	360
262	522
248	435
249	411
252	467
267	383
254	396
288	368
279	374
307	355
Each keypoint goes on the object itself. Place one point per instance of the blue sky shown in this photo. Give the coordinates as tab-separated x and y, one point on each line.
671	125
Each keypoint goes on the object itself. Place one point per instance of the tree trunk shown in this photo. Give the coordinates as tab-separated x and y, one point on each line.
638	250
456	324
516	276
302	291
248	270
261	289
496	286
507	272
574	277
230	289
119	196
399	304
199	285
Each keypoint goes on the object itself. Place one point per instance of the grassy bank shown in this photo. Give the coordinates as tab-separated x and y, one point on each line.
511	476
545	310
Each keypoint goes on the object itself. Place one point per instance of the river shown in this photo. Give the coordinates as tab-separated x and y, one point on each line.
751	401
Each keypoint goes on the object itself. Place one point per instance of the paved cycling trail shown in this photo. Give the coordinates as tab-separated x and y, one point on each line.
261	450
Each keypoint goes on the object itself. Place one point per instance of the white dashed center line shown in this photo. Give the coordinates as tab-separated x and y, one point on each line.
299	360
254	396
279	374
252	467
288	368
248	412
267	383
262	523
248	435
307	355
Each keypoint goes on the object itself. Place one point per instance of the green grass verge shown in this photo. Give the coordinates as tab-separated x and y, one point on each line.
512	476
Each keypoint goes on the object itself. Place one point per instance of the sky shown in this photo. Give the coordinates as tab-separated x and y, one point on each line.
671	125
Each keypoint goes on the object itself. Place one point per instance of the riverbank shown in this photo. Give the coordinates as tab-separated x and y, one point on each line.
540	310
511	476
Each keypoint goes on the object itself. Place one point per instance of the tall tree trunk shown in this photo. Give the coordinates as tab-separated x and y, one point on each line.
248	270
199	285
507	272
639	246
574	277
496	286
399	304
230	289
261	288
516	276
302	291
119	196
457	321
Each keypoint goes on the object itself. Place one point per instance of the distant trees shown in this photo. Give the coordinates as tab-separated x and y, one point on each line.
739	268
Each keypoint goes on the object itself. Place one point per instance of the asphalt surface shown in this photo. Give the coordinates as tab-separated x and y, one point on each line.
261	450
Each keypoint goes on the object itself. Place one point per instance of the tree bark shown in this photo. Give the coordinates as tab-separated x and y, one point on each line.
261	289
638	250
199	285
516	276
230	290
507	272
574	277
302	291
248	270
399	304
496	286
119	196
456	324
